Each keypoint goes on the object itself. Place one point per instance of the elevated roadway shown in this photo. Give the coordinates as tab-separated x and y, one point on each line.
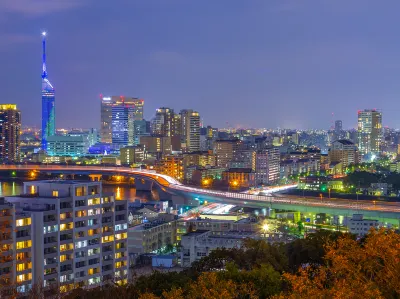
385	211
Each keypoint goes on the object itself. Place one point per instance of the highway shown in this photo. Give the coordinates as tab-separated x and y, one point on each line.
173	184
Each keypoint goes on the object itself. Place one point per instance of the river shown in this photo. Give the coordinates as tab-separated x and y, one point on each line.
121	192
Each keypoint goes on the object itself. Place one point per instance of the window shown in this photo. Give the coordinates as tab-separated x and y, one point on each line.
80	244
63	258
24	244
65	247
121	236
106	239
55	193
23	222
24	266
24	277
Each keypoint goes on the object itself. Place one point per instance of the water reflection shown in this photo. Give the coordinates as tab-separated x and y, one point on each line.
121	192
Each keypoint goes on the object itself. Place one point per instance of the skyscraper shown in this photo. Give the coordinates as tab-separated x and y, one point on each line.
107	104
166	123
338	126
48	102
190	129
369	131
10	129
122	123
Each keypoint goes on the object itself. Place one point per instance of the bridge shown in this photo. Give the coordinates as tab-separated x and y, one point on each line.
384	211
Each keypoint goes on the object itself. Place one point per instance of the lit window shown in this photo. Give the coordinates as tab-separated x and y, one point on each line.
55	193
106	239
24	244
23	222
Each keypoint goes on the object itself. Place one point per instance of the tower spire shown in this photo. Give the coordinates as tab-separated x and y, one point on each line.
44	71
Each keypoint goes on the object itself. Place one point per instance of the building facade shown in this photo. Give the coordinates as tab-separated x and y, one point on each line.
106	113
132	155
10	130
190	130
267	166
369	132
343	151
166	123
79	235
66	146
225	150
122	123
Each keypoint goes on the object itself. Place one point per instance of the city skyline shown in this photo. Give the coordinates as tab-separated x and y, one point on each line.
210	58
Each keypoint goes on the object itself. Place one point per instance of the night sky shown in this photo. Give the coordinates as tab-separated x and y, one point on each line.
252	63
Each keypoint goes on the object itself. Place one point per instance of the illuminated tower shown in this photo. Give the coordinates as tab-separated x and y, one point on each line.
48	102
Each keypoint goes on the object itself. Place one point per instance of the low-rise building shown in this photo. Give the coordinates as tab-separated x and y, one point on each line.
360	226
131	155
238	178
60	145
198	244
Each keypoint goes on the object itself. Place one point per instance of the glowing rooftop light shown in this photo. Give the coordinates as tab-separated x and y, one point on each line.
44	33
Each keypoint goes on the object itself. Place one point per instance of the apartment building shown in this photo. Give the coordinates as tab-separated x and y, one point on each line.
15	250
77	235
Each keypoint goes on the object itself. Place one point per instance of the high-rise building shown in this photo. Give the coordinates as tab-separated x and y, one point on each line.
225	151
16	255
190	129
78	236
166	123
369	131
343	151
123	130
267	166
141	128
107	104
48	102
338	126
10	129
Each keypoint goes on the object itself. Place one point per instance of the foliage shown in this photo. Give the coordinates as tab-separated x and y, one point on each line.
353	269
309	250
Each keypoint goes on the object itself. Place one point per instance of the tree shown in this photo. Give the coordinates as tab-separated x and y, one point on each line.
353	269
309	250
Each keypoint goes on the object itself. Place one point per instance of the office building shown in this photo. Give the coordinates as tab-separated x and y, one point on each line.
107	103
204	159
190	130
70	146
369	132
79	235
225	150
48	102
132	155
123	131
166	123
156	145
345	152
267	166
338	126
141	128
10	130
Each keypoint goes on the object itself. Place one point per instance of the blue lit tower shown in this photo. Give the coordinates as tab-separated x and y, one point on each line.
48	102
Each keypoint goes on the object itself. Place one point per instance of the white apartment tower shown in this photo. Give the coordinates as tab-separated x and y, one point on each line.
79	235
